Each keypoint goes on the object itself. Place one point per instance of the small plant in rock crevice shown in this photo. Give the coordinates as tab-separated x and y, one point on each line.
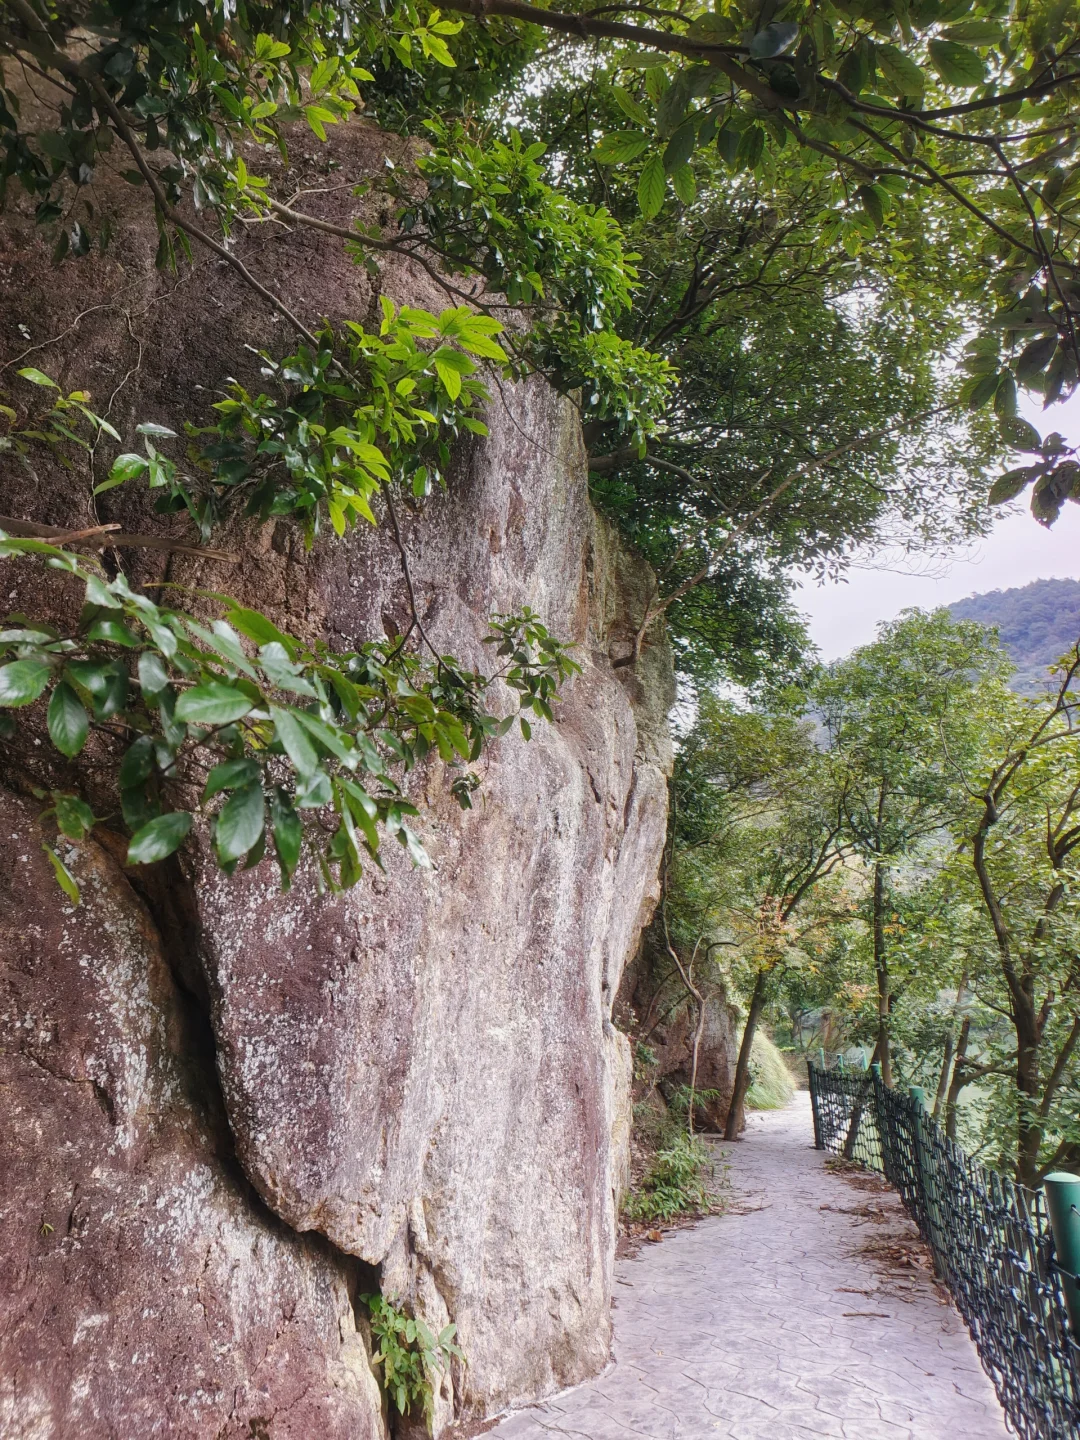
411	1358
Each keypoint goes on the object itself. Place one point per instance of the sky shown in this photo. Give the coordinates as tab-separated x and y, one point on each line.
842	615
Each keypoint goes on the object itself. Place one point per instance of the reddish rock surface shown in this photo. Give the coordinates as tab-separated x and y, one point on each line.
142	1291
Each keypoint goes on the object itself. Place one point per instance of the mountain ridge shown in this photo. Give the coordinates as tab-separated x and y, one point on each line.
1037	623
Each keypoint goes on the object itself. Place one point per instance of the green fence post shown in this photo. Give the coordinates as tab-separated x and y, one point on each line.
1063	1203
927	1181
815	1104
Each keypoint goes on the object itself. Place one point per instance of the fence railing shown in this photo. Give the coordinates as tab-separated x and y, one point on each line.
992	1243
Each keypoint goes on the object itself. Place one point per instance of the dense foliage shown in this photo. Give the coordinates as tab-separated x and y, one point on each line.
927	911
757	238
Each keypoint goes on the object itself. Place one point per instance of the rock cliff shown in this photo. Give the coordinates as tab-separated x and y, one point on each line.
234	1112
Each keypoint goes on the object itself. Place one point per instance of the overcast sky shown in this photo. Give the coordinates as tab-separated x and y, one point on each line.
844	615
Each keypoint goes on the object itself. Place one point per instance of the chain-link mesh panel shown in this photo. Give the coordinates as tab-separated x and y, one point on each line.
991	1242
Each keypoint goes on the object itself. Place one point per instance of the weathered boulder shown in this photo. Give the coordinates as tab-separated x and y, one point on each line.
423	1071
143	1290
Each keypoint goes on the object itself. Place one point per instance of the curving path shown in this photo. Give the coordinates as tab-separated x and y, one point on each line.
772	1322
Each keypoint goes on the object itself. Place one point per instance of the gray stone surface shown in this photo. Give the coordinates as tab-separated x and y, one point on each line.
423	1071
772	1323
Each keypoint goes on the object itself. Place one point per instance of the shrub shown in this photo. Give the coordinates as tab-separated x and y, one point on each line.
680	1182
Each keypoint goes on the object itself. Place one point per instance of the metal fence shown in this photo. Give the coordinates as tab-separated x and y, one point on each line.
991	1241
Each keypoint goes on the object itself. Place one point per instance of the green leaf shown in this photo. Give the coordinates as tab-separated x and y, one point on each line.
334	740
977	391
153	677
137	764
281	671
641	60
620	146
98	593
37	377
212	704
871	202
256	626
162	432
267	48
115	632
651	187
22	682
956	64
975	32
64	877
1017	433
672	106
230	775
73	816
630	107
854	72
900	70
288	833
314	791
159	839
240	823
751	146
294	740
1007	487
450	378
680	147
684	184
68	721
1005	396
124	468
1035	357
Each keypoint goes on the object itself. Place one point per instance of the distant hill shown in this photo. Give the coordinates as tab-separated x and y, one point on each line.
1037	624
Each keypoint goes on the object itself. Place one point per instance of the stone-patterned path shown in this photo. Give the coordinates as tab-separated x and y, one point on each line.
770	1324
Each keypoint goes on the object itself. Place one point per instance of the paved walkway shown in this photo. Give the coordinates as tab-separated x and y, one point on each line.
799	1315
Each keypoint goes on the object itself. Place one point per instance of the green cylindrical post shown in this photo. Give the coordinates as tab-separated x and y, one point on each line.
821	1052
926	1181
840	1063
876	1068
1063	1203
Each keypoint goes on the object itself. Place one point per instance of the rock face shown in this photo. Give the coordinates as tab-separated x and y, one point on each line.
652	1007
142	1290
237	1109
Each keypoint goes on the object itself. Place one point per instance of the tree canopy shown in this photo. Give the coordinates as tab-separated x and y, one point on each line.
902	861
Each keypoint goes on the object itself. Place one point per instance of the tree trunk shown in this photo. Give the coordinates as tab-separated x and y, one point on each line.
742	1069
950	1047
881	972
956	1084
1029	1128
